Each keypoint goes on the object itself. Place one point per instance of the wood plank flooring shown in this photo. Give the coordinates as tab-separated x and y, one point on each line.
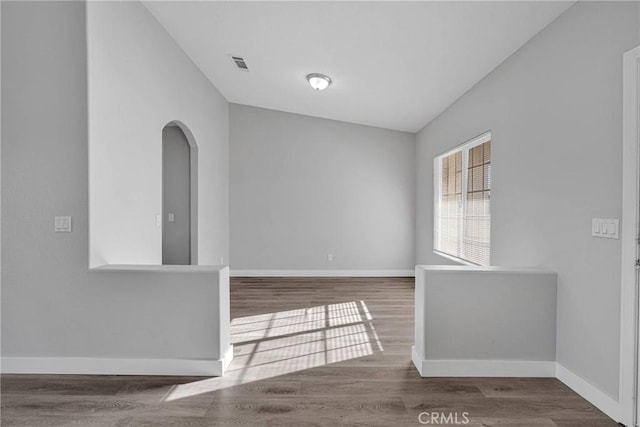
308	352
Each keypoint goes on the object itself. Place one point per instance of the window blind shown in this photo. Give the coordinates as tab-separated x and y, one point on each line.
463	202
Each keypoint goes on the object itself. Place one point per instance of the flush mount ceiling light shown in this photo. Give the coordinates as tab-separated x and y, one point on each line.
319	81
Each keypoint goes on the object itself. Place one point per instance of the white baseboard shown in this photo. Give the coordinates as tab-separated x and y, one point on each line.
227	358
417	358
595	396
111	366
322	273
516	368
217	367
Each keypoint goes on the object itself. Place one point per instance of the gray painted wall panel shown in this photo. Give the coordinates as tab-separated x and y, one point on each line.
475	314
555	112
52	306
140	80
304	187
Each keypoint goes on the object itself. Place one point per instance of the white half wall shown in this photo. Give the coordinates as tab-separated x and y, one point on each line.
492	322
152	320
57	315
139	81
555	112
304	187
467	318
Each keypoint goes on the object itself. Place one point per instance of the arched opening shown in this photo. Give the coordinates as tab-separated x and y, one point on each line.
179	195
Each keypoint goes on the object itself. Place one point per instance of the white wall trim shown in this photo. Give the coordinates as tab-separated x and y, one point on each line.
225	361
629	232
517	368
599	399
112	366
521	369
417	358
322	273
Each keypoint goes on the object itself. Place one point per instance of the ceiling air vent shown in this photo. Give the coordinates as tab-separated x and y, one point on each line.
240	63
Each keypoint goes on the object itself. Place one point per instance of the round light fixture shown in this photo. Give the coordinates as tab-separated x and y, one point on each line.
319	81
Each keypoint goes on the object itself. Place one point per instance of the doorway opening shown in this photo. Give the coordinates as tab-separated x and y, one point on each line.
179	195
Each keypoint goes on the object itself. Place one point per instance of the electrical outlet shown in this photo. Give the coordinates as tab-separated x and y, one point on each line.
329	257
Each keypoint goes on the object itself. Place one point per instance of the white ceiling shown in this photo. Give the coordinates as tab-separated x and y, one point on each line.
395	65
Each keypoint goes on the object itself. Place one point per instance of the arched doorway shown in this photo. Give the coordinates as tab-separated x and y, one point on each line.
179	195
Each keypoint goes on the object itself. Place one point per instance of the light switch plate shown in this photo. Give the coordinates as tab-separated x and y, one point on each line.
606	228
171	217
62	224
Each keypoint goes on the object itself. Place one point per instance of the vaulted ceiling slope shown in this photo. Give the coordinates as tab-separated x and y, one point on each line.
394	65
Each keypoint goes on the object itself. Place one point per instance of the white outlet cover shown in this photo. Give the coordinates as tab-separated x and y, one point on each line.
606	228
62	224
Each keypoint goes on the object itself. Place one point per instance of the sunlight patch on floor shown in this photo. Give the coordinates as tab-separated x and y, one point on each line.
273	344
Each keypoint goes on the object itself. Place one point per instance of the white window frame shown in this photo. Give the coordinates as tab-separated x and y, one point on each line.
437	191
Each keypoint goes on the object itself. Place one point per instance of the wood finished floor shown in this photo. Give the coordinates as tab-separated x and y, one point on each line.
308	352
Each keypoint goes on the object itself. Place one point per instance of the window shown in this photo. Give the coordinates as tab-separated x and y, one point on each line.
462	217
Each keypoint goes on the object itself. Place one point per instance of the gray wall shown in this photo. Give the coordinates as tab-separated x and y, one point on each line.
51	305
303	187
490	313
176	200
140	80
555	111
